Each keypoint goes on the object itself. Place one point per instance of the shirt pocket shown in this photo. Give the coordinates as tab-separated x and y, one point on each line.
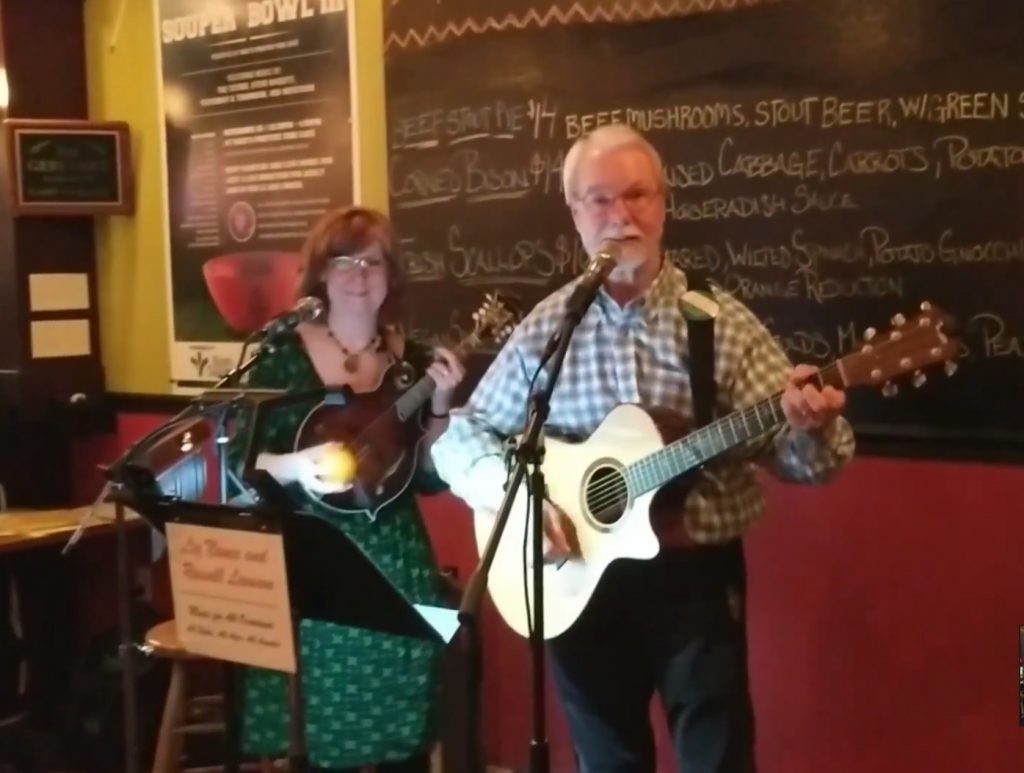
663	368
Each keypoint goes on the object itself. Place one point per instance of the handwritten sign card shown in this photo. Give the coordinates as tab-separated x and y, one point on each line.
231	595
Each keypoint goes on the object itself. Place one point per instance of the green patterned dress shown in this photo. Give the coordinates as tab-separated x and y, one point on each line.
369	696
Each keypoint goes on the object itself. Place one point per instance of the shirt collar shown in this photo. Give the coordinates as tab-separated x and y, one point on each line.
660	298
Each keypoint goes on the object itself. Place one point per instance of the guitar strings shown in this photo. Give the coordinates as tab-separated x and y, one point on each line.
607	497
614	490
610	485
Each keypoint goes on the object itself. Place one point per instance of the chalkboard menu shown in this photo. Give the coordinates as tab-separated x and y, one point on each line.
69	167
830	163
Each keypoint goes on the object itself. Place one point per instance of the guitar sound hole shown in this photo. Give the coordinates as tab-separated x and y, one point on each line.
606	495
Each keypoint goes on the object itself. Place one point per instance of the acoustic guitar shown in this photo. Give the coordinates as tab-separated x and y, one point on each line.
379	431
606	484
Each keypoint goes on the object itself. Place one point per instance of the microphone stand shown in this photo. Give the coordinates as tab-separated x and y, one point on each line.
529	453
119	474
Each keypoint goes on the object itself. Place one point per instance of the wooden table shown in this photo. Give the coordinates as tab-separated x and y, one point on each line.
28	529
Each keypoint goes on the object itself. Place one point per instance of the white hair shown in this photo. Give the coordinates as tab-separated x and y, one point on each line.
603	139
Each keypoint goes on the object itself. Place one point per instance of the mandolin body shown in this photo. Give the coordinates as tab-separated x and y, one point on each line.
371	426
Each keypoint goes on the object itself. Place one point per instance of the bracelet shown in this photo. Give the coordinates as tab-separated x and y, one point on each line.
431	414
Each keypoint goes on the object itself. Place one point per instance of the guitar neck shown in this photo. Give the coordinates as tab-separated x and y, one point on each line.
714	439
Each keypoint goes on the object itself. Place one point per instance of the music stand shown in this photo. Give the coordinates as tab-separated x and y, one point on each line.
320	563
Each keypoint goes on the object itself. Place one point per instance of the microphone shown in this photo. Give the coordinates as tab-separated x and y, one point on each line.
305	310
601	265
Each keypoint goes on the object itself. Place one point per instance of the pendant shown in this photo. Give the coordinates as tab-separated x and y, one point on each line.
350	360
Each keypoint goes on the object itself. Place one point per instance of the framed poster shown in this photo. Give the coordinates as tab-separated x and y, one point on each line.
258	145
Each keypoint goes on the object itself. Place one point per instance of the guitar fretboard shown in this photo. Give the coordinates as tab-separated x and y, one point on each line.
704	444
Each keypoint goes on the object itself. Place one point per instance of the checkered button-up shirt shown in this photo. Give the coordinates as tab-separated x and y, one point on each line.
639	354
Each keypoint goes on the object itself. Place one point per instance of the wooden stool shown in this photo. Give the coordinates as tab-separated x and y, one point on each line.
162	641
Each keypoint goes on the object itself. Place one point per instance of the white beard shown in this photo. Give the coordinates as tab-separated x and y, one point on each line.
623	272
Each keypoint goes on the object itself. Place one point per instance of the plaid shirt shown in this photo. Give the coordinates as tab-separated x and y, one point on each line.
636	354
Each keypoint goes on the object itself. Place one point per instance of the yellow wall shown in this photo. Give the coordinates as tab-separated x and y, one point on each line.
131	252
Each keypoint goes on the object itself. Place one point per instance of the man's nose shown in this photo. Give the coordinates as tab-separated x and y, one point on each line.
619	213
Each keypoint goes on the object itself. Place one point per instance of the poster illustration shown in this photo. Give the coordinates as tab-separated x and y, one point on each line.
258	137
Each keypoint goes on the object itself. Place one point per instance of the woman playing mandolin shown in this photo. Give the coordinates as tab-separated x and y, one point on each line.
351	675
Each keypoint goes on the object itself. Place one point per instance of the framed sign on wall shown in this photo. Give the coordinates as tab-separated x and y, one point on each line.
69	167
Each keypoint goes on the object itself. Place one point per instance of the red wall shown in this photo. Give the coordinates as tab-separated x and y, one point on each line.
883	621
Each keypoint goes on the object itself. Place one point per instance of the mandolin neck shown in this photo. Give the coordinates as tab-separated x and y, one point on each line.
413	399
418	394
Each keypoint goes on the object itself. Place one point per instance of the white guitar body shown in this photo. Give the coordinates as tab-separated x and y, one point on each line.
610	505
626	435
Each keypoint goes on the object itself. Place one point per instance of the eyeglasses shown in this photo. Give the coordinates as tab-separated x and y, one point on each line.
345	263
635	200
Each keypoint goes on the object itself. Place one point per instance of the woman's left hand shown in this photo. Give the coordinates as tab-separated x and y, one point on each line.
447	372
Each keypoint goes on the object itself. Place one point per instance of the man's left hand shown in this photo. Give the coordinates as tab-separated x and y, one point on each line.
806	407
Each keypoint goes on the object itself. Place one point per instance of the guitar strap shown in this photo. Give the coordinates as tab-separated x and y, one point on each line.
700	327
699	309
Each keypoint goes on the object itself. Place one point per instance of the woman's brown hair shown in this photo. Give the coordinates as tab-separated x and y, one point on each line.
349	231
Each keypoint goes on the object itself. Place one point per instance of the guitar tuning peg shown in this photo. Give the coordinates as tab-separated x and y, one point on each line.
870	333
919	378
926	306
924	322
899	320
889	389
950	367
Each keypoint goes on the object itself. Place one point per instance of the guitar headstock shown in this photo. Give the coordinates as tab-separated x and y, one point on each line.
906	349
494	321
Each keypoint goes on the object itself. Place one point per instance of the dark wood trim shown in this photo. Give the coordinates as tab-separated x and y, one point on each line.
139	402
11	300
1007	448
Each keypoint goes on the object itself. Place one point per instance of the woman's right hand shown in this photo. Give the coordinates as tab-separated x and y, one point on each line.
328	468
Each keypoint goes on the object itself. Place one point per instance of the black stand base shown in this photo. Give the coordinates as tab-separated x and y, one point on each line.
127	650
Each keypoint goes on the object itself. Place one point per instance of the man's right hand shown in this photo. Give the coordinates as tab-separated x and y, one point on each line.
560	540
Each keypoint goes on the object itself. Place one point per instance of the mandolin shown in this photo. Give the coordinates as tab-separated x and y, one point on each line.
380	431
607	485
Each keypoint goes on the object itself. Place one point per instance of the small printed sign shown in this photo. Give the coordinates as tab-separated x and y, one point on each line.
230	595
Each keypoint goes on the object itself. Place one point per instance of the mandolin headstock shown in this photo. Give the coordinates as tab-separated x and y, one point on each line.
493	321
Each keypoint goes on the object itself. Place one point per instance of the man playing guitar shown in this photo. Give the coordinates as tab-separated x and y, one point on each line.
673	623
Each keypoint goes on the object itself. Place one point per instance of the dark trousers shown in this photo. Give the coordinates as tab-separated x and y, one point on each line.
672	624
